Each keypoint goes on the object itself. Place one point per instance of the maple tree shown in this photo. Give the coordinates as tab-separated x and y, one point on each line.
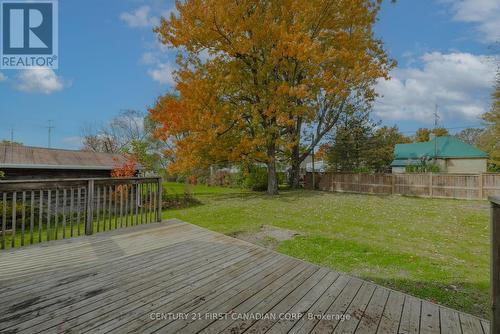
253	75
125	168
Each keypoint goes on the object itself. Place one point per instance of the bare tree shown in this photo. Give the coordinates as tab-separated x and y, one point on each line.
117	135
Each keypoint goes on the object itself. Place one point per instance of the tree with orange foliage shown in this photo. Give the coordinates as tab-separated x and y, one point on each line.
273	68
128	168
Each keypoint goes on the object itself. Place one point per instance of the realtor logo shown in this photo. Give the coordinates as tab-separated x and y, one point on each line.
29	34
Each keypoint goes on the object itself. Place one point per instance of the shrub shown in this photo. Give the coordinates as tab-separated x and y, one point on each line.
255	179
363	169
424	167
179	201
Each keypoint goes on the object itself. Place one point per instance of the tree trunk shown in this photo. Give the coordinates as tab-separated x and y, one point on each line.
272	177
294	181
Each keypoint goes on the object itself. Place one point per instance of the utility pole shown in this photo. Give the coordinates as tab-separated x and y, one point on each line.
50	127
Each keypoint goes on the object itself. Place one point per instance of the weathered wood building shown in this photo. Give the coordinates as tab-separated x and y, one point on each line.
25	162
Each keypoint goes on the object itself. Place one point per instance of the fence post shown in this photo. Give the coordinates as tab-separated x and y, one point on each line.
393	183
481	185
90	207
431	185
158	214
495	264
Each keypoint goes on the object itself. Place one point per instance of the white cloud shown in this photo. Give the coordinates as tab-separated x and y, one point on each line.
483	13
164	74
139	18
143	17
2	77
148	58
460	83
41	80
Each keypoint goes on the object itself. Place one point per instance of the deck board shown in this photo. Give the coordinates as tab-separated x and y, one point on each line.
174	277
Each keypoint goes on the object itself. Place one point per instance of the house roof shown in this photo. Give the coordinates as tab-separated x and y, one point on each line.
440	147
19	156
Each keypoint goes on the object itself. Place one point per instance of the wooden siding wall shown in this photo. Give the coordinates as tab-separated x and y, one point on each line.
460	186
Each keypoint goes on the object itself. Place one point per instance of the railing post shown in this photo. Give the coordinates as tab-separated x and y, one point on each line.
90	207
159	206
495	264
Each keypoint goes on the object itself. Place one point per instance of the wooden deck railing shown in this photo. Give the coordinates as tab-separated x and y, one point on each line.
495	264
36	211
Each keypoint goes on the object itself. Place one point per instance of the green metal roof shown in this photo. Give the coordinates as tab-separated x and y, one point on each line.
439	147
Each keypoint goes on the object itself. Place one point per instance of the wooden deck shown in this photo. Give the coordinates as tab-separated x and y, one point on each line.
176	277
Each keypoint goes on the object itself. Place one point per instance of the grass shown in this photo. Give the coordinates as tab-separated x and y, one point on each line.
435	249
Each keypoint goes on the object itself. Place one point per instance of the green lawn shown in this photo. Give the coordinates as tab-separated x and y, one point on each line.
432	248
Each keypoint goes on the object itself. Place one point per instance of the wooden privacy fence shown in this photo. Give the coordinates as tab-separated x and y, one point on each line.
36	211
460	186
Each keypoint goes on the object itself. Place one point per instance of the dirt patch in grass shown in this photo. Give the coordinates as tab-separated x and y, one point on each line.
268	236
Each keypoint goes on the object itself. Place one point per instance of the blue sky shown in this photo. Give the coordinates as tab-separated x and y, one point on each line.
109	61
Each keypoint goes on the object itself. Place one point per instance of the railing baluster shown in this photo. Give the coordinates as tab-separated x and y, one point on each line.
90	208
160	199
56	215
23	217
4	218
14	219
71	213
104	208
153	214
49	199
121	205
132	205
146	203
64	214
32	216
109	208
127	199
141	199
115	207
40	217
150	202
98	193
78	208
136	203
